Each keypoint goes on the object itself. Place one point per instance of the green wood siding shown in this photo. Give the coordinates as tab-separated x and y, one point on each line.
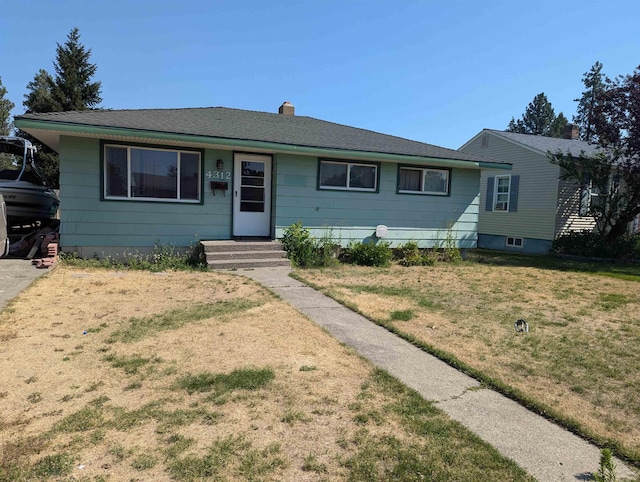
89	222
94	226
354	215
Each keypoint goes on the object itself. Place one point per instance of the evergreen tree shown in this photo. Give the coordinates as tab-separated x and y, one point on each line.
589	111
71	89
539	119
5	111
5	124
40	95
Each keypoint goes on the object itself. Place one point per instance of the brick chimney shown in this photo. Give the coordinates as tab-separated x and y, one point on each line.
571	131
287	109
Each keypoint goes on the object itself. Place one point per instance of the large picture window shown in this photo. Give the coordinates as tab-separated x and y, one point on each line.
423	180
151	174
348	175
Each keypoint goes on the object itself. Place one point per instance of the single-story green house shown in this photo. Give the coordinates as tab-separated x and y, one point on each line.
130	179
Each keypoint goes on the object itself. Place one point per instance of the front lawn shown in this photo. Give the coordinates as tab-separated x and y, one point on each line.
130	375
579	361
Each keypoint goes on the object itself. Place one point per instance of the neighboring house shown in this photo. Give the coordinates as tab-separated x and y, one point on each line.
526	209
130	179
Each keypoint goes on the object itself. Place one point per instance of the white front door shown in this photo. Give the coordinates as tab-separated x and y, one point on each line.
251	195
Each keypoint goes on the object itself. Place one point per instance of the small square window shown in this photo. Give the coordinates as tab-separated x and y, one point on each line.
514	242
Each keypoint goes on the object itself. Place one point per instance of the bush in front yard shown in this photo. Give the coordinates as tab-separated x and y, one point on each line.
592	245
300	248
305	251
369	254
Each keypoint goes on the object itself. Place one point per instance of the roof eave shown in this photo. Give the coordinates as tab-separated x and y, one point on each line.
62	128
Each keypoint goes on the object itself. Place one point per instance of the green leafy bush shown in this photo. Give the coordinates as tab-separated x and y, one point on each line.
593	245
369	254
305	251
299	245
409	254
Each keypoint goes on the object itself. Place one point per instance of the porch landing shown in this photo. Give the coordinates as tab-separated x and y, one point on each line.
240	254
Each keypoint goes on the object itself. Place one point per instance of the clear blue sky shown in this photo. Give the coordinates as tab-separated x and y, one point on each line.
432	71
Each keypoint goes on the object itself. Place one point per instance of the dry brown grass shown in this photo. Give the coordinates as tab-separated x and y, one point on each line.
62	395
580	357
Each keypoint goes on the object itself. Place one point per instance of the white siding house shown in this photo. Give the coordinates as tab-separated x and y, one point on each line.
526	209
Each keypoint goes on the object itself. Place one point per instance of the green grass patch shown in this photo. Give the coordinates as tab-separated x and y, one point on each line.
221	383
613	301
311	464
440	448
177	445
131	364
402	315
140	328
52	466
144	462
222	453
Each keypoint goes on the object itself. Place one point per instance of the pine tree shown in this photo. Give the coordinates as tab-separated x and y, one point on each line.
539	119
40	95
589	111
71	89
5	124
5	111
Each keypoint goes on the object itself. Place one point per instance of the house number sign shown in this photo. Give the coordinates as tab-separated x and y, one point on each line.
219	174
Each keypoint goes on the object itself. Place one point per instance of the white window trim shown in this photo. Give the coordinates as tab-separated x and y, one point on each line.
424	173
495	194
513	243
150	199
349	165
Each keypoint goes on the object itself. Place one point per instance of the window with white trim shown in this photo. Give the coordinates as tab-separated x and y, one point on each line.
501	194
514	242
347	175
143	173
423	180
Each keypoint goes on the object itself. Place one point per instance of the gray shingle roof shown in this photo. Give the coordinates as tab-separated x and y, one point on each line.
225	123
549	144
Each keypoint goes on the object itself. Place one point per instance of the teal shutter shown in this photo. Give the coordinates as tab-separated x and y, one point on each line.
513	194
489	201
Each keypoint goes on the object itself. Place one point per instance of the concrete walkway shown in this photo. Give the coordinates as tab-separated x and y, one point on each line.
543	449
16	275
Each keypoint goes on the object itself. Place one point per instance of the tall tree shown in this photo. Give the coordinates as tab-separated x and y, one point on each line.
5	124
39	97
539	119
589	111
614	174
5	111
72	88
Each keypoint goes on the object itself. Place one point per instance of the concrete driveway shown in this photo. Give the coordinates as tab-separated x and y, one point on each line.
16	275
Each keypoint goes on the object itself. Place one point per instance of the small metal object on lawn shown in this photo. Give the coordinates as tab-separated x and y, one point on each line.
521	326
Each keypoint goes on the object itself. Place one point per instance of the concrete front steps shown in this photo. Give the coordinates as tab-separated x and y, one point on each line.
239	254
